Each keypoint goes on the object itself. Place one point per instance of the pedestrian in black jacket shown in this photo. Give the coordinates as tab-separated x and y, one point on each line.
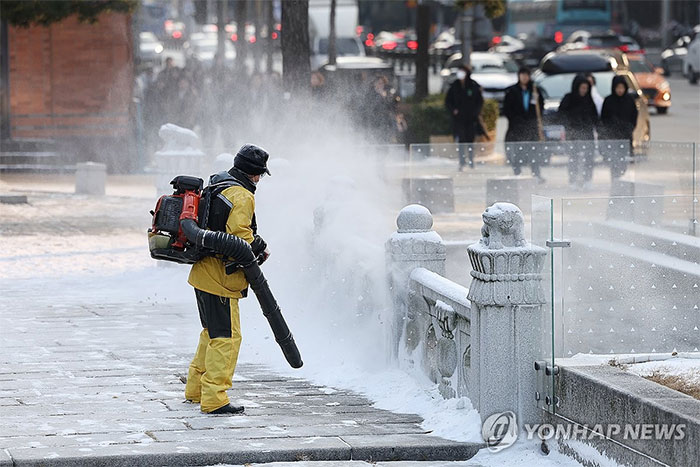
520	107
617	121
579	116
464	101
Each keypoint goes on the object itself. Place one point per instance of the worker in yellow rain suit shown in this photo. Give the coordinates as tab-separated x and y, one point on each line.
232	210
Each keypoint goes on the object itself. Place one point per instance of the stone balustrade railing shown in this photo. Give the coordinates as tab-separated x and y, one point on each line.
480	343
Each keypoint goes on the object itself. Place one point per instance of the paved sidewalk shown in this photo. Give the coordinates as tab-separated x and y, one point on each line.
106	382
92	361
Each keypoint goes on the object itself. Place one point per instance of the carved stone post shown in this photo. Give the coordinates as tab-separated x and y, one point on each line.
413	245
180	155
507	301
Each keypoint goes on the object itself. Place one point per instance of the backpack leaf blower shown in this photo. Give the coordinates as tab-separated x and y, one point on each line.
176	235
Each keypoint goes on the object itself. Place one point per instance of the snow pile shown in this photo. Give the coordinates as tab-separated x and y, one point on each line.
687	369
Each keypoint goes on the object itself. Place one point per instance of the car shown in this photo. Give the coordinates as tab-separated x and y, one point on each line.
691	62
585	40
672	57
493	72
524	50
150	49
654	86
557	71
344	46
202	47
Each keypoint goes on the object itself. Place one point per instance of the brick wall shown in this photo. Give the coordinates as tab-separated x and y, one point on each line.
72	79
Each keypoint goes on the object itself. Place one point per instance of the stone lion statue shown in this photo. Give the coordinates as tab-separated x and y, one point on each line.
503	227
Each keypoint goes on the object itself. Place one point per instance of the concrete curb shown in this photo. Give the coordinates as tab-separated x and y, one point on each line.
258	451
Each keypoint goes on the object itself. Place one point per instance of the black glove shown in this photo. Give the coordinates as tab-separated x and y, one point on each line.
260	250
258	245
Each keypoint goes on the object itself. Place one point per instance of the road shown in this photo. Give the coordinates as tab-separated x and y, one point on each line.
682	123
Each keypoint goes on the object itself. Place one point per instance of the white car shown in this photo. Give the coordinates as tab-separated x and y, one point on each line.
493	72
150	49
202	48
691	62
344	46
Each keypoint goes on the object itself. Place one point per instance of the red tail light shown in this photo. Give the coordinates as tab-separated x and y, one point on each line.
370	36
275	35
358	30
624	48
177	34
496	40
391	45
558	37
413	45
252	39
234	37
369	42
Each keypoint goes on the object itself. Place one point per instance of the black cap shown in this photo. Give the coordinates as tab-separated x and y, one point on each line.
252	160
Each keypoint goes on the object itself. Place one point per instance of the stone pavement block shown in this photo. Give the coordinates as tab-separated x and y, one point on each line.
427	464
187	454
5	460
60	427
409	448
299	420
317	464
85	440
275	431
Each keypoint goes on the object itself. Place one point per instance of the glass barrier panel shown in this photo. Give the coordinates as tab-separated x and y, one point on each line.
542	232
630	279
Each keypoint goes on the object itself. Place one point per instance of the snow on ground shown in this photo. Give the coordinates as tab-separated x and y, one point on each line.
688	369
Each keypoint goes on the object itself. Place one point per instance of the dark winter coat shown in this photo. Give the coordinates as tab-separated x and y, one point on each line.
467	100
578	113
522	122
619	114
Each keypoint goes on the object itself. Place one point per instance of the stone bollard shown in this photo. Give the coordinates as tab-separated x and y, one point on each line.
413	245
90	178
507	302
180	155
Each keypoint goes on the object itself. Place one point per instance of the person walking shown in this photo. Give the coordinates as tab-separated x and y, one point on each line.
523	106
579	116
232	211
464	102
618	118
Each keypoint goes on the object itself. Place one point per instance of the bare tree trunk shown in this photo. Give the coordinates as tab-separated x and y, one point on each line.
241	45
221	31
4	82
270	19
422	59
332	53
467	17
295	47
258	26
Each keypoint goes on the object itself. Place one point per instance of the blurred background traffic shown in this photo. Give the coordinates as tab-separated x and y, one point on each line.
97	82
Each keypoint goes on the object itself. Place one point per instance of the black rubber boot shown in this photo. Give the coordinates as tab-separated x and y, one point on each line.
228	409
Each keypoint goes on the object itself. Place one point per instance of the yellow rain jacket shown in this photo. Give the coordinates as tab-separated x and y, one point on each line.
209	273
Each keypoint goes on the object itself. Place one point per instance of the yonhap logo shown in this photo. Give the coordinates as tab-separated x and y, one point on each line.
500	430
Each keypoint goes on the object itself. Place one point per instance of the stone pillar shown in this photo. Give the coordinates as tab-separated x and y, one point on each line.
413	245
180	155
90	178
507	301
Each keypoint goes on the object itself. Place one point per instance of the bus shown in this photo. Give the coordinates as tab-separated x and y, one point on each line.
557	18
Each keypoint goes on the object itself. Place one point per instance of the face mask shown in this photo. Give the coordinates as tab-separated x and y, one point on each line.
461	74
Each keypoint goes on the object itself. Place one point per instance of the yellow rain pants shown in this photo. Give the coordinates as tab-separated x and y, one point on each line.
211	371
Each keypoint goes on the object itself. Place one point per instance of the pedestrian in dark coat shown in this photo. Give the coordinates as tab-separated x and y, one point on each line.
579	116
617	121
520	108
464	101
